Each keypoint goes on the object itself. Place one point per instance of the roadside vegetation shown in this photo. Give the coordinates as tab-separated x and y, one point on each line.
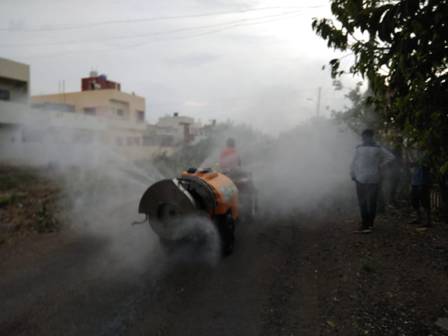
28	202
401	49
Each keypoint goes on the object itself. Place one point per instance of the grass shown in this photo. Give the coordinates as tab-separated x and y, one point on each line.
46	221
11	198
12	178
27	202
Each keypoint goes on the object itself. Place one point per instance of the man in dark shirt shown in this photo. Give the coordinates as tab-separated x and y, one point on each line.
421	193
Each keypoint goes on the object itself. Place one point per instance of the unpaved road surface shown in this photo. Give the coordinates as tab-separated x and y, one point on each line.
288	276
65	285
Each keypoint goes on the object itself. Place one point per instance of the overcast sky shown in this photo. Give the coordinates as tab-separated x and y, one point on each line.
254	61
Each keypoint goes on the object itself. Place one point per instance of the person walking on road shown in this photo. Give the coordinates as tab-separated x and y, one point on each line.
366	167
421	192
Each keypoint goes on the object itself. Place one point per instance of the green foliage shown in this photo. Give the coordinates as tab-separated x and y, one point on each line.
11	198
45	222
16	178
360	114
401	47
5	200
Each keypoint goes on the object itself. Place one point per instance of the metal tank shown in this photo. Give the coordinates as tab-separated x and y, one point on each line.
171	203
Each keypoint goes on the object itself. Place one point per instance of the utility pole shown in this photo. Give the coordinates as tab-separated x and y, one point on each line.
319	92
63	89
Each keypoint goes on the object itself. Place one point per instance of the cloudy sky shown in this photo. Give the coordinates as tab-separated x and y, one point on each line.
253	61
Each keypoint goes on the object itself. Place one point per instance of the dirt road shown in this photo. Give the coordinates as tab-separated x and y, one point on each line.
52	287
288	276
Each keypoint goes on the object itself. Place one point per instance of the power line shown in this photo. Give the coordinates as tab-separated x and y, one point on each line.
218	27
196	35
152	19
227	27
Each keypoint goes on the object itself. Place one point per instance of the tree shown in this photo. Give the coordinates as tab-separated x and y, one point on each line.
401	47
359	115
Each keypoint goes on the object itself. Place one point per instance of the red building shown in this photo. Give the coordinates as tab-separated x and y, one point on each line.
95	82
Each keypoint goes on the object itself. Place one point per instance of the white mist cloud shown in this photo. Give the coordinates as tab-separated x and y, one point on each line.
305	169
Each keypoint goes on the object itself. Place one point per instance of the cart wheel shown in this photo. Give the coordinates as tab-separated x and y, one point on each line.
226	229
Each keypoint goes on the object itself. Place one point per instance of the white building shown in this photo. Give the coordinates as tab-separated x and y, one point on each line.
180	128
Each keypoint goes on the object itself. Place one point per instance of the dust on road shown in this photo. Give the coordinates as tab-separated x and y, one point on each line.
67	288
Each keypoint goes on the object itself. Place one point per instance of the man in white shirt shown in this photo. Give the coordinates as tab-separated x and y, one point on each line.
365	170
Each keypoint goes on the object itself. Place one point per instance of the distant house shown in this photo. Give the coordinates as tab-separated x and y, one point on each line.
102	101
14	97
179	128
14	81
99	97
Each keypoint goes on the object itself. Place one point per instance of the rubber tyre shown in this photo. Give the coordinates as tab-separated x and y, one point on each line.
226	229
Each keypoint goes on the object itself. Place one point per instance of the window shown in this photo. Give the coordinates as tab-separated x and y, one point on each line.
58	107
90	110
120	109
5	94
140	116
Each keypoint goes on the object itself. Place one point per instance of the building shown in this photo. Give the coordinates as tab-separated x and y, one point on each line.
14	81
179	128
14	97
101	100
98	97
64	123
51	128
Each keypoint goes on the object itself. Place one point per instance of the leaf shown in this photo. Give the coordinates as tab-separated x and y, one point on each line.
444	168
331	323
376	16
386	26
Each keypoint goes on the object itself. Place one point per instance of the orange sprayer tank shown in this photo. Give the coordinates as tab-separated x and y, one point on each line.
224	190
169	203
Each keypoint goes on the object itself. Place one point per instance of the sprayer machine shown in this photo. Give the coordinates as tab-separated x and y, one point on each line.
196	193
